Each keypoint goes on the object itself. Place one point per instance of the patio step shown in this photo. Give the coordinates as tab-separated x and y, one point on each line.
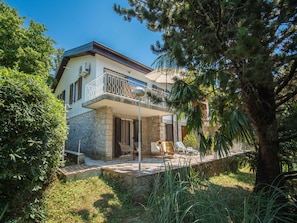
79	172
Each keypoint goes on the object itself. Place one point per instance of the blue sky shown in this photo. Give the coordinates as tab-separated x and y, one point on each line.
72	23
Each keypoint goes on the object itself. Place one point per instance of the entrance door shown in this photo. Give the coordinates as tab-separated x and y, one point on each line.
184	132
169	132
123	133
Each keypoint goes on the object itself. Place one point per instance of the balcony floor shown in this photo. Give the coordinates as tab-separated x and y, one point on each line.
126	106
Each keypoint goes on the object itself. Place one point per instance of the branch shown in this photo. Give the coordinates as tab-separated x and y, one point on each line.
286	98
288	137
281	39
287	79
219	20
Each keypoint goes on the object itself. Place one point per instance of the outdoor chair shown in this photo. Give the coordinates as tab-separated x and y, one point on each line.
156	149
162	148
180	147
128	91
126	151
168	147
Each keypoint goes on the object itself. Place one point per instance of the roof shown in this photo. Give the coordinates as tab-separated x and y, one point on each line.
94	48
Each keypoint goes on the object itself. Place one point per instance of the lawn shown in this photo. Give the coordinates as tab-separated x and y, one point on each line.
96	200
90	200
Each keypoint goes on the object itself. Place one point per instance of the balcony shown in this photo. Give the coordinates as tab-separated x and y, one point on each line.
118	92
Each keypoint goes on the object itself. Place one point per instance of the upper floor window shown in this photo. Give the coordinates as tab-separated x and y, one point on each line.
62	96
75	91
134	82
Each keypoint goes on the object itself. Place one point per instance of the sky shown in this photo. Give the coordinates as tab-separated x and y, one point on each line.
72	23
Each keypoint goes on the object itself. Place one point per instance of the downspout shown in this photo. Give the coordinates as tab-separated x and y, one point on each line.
176	127
172	127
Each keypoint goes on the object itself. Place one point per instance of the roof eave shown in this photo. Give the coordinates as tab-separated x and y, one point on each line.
94	48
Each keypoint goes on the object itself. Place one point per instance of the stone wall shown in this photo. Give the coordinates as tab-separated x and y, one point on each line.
81	128
218	166
151	131
93	131
139	185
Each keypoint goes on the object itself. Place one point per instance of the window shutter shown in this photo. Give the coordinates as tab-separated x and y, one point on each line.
63	95
79	88
71	94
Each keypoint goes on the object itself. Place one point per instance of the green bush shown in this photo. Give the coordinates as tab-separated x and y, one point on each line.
32	133
190	141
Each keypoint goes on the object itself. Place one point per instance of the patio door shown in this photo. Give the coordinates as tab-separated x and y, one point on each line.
169	132
123	133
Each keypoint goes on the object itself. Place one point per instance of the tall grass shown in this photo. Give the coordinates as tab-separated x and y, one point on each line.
179	196
269	205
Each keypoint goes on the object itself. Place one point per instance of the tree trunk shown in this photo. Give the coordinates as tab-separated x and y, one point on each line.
261	107
268	163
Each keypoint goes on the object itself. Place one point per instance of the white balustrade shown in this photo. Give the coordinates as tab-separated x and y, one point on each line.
123	87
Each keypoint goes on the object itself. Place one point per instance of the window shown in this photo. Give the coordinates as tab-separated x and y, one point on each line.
78	89
75	91
62	96
135	83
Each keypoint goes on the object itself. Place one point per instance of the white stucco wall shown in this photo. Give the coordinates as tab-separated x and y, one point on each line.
98	63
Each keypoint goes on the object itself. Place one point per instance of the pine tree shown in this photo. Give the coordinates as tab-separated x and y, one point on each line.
246	51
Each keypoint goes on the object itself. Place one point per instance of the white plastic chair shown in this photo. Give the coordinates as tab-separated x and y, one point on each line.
180	147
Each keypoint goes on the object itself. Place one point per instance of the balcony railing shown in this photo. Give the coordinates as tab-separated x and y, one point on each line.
108	83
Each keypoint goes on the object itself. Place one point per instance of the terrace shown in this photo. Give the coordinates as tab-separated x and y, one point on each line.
117	91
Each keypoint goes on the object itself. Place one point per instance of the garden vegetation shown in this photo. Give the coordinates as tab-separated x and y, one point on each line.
32	122
32	130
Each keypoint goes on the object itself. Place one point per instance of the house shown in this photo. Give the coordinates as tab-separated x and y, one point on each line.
98	84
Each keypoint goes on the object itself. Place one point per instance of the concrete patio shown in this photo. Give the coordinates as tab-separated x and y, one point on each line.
126	172
148	165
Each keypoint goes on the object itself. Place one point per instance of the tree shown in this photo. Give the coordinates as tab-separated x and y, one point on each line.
32	122
246	51
23	48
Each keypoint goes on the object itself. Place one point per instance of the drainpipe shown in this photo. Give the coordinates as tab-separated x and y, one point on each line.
172	128
176	127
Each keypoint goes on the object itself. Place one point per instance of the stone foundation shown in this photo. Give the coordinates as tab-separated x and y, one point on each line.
92	132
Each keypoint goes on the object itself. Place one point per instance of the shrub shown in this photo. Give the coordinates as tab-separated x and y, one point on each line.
190	141
32	130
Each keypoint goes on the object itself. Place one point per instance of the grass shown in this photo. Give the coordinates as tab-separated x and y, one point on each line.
224	198
244	179
96	200
90	200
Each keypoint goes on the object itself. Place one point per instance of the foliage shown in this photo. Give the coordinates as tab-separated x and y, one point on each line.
287	142
182	197
246	52
22	48
174	198
190	141
32	133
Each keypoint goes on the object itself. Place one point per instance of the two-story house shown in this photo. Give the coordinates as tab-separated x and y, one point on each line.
98	84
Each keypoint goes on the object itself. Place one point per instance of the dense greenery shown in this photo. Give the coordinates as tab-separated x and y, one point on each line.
24	48
190	141
32	130
246	52
183	197
32	123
